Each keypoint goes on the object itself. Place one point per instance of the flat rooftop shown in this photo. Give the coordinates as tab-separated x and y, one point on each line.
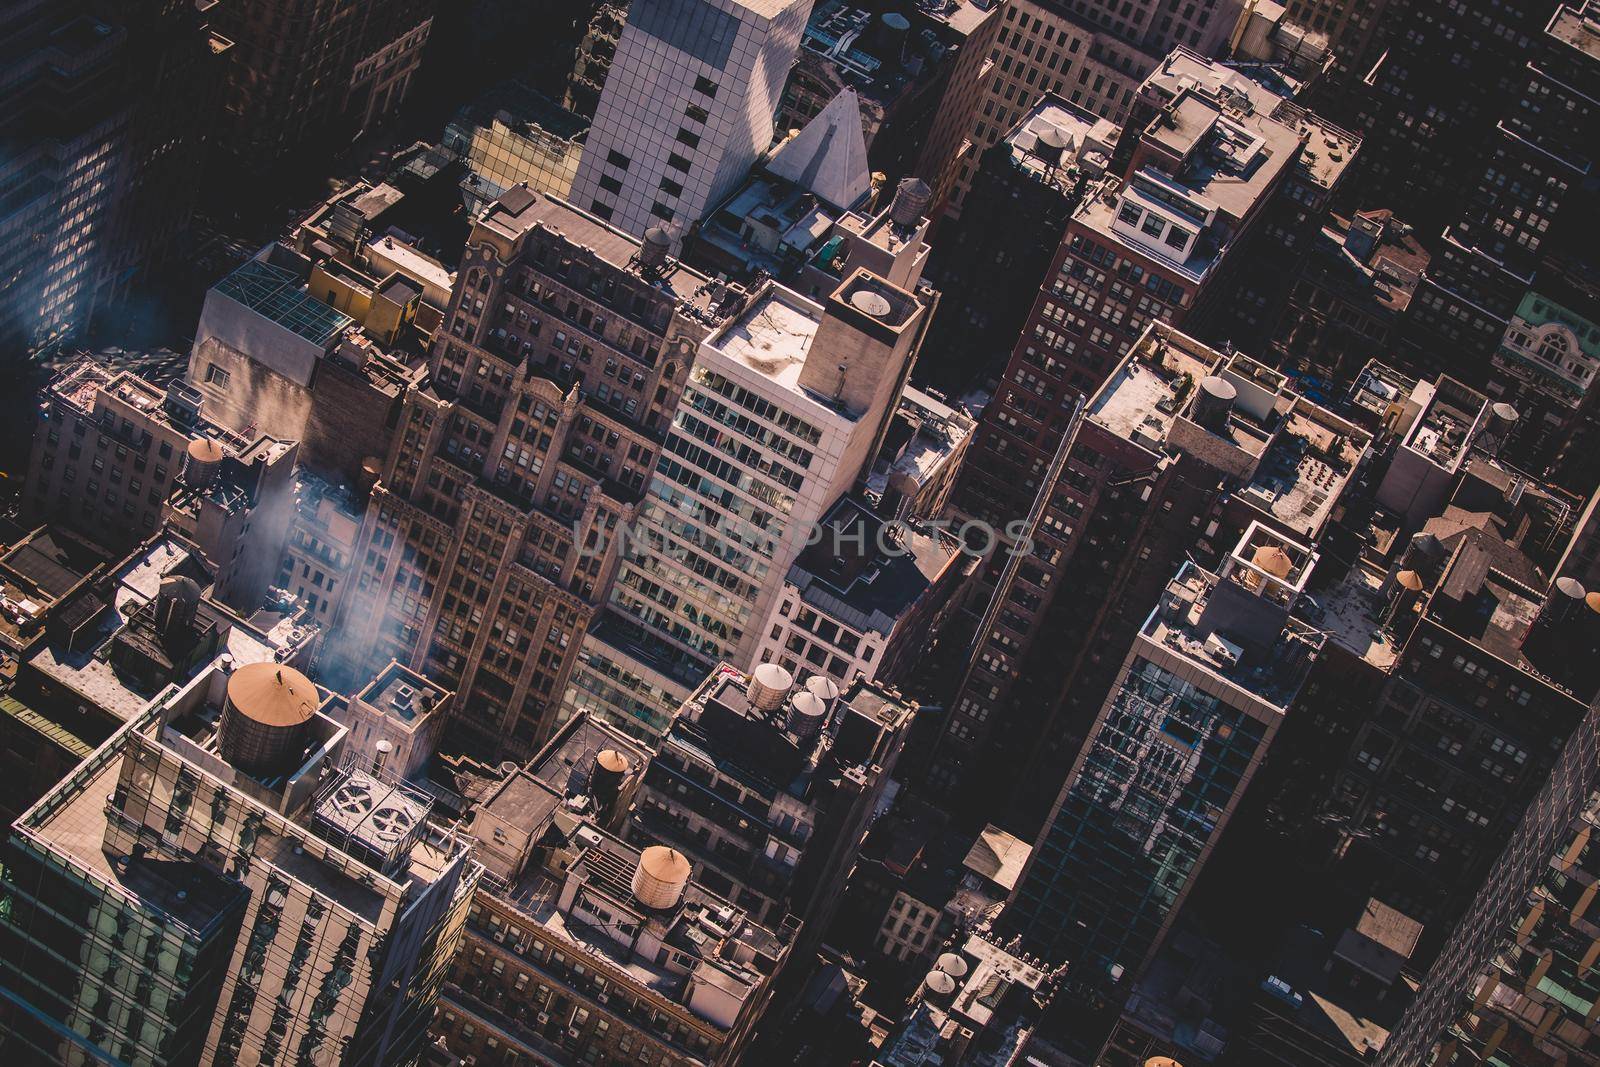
1144	395
402	694
1305	470
519	209
280	295
567	762
771	337
1445	427
186	892
1079	130
1351	614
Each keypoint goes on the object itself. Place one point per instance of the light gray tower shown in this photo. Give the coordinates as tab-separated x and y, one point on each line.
687	108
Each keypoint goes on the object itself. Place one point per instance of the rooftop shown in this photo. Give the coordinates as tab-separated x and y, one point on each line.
519	209
1576	25
998	857
1307	466
1447	423
566	763
866	572
923	436
1147	390
75	829
702	939
280	295
771	336
1184	626
1057	137
402	694
1351	613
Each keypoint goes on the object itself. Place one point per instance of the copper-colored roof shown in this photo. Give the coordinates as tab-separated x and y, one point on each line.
1409	580
205	450
272	694
1274	560
612	760
664	864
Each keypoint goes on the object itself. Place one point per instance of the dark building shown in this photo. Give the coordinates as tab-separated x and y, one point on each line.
769	787
1425	107
306	74
1349	296
1516	982
1205	228
987	266
1530	215
103	117
917	70
1177	453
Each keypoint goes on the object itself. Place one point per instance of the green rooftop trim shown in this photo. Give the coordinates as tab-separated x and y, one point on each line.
281	296
61	737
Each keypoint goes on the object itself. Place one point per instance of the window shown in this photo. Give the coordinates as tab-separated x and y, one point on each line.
600	210
677	162
706	87
610	184
1153	224
670	187
1129	213
617	159
215	375
687	138
1178	237
696	113
661	211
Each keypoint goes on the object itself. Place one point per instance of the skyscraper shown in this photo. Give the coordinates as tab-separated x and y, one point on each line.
688	106
103	115
215	878
491	536
781	414
1516	981
307	73
1201	695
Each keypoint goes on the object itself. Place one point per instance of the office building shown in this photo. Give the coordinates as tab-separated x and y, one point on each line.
512	135
1350	28
106	111
316	351
1091	54
988	272
364	54
1180	451
115	457
1435	92
1522	228
866	599
1350	295
783	413
1199	699
768	787
591	62
1514	983
95	639
979	1003
688	105
580	946
782	216
319	551
1226	171
917	75
226	885
491	535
